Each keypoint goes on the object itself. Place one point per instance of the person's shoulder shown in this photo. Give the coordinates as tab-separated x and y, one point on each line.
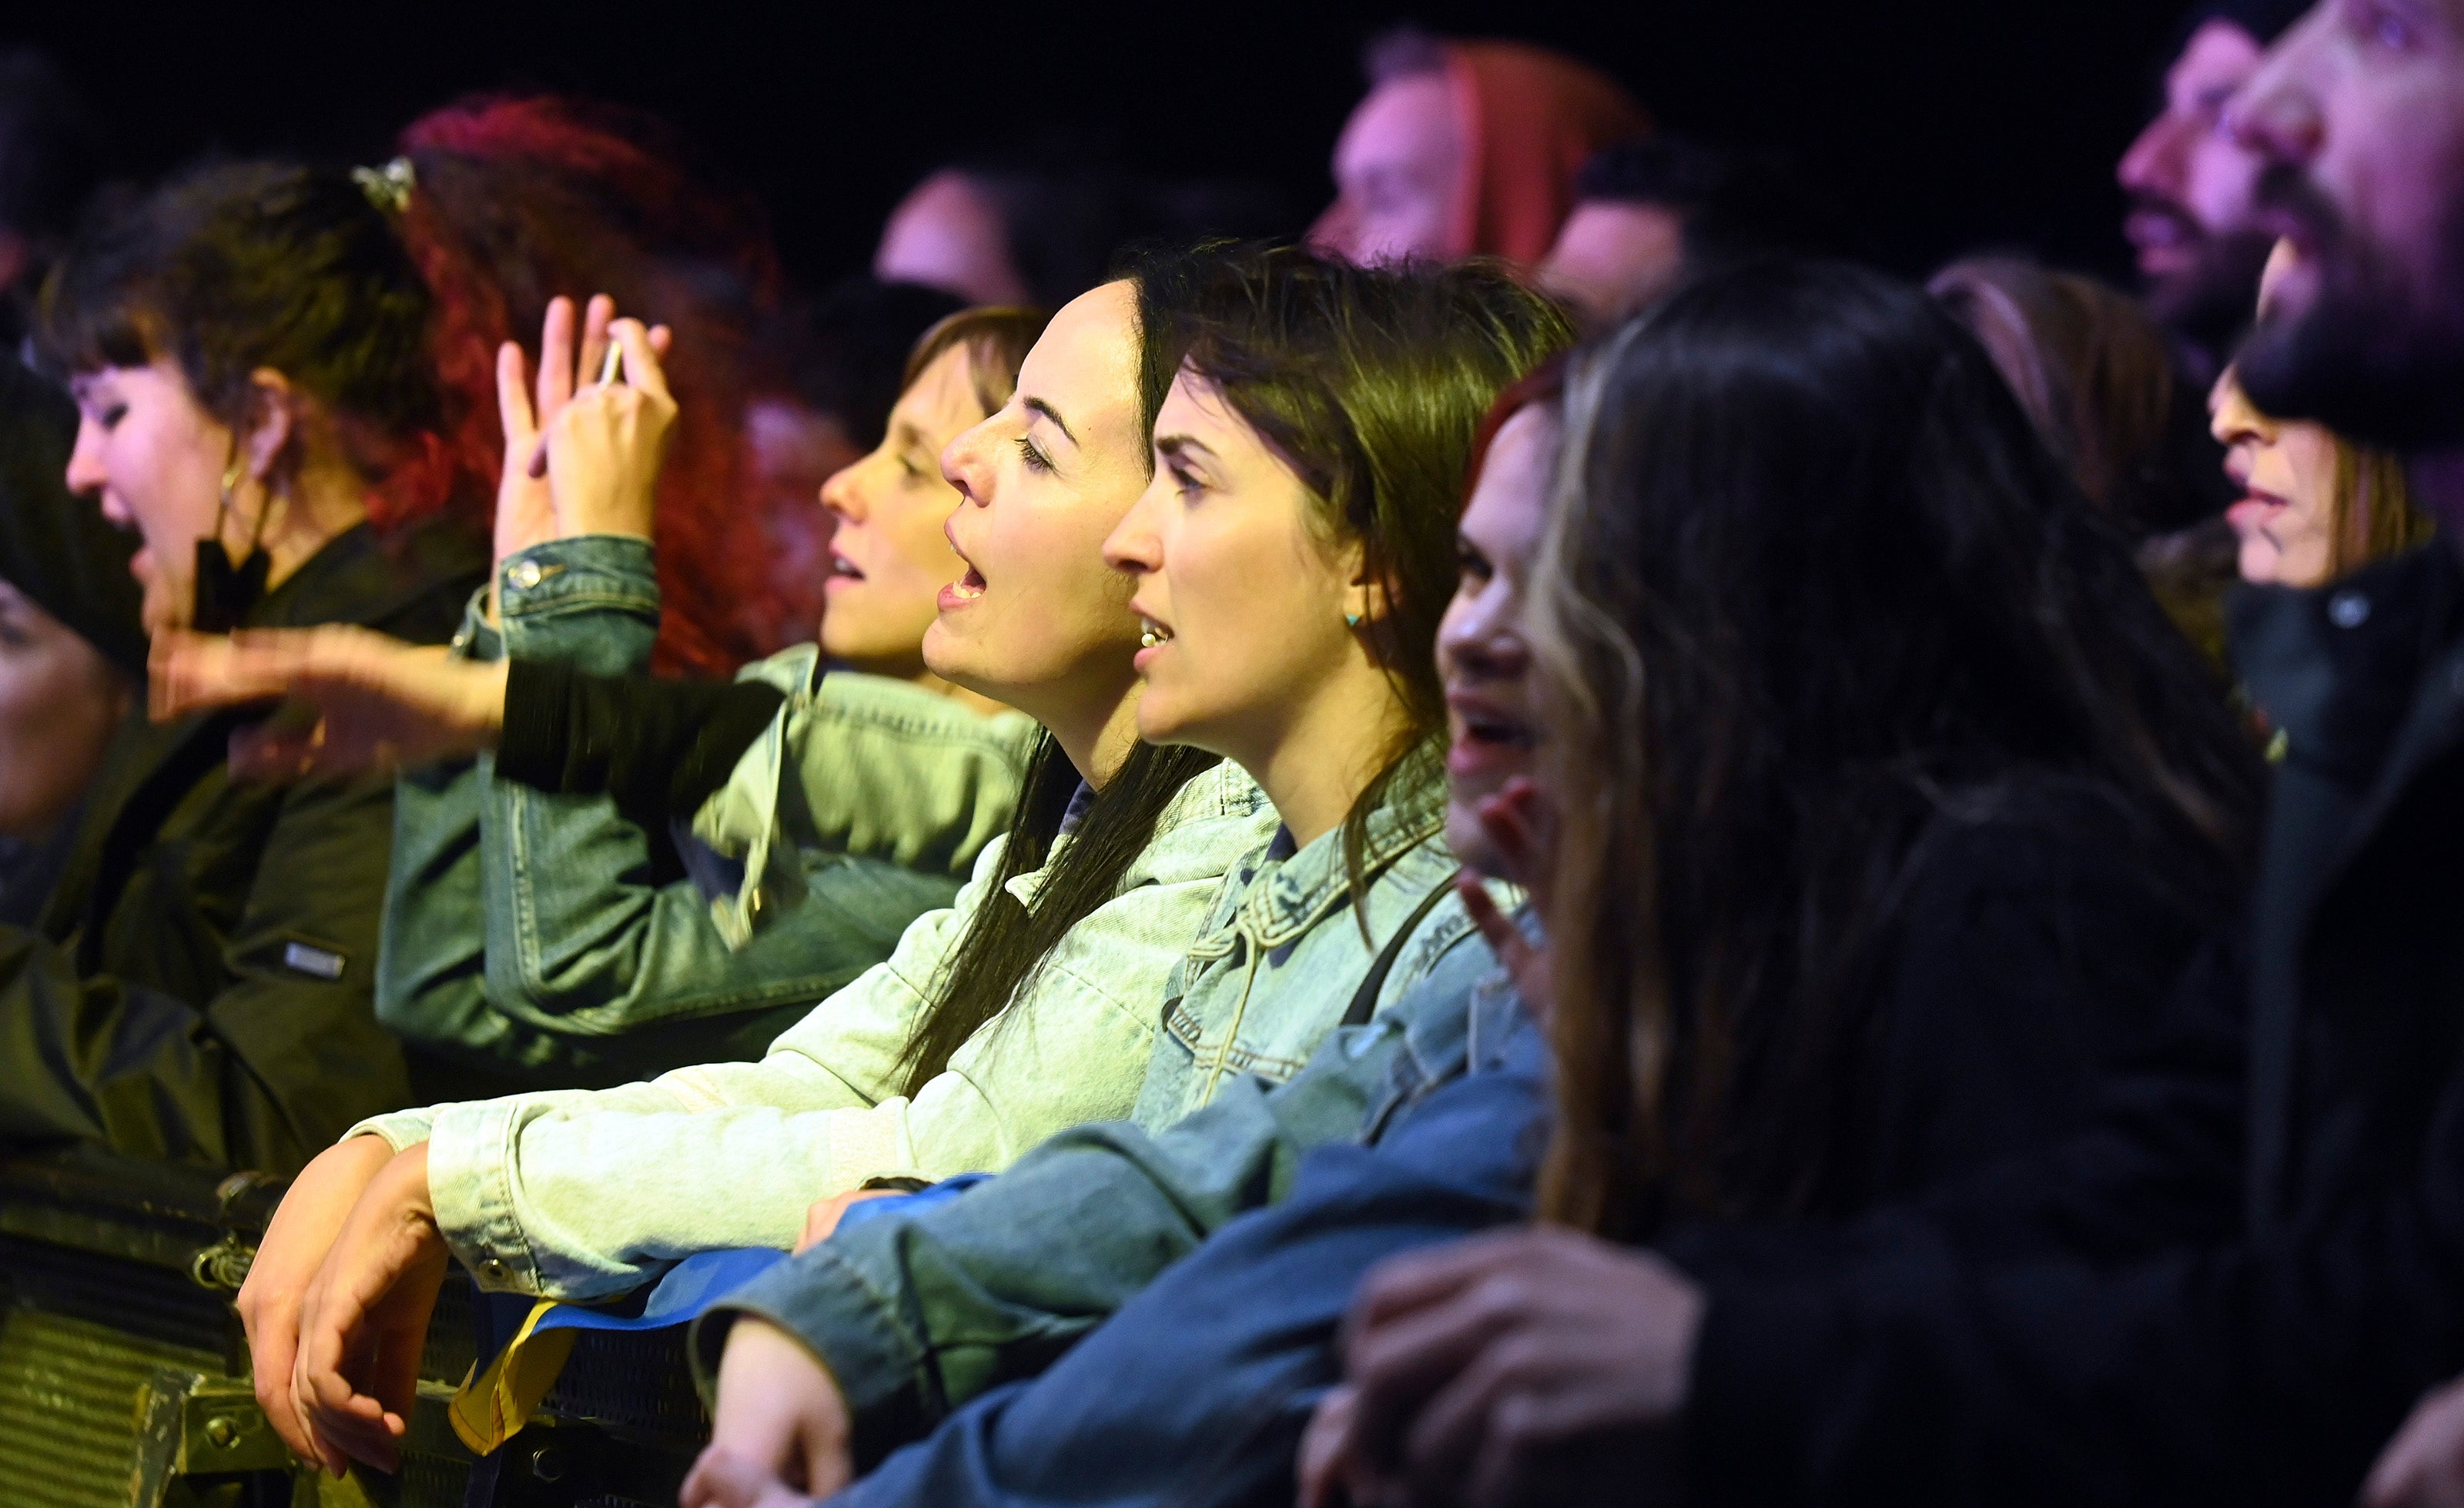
1216	818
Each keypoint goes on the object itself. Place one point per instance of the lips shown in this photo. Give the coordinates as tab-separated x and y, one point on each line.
1488	740
842	571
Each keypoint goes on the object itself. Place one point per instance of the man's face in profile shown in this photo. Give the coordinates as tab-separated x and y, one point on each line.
2359	117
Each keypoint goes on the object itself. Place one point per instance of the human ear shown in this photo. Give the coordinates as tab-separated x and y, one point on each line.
270	424
1365	599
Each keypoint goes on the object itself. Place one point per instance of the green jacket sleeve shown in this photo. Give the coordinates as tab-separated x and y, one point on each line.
916	1314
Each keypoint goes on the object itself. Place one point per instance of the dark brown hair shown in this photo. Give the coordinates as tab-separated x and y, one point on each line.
996	337
1813	582
240	266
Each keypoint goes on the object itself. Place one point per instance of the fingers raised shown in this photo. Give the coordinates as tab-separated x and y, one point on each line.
641	368
556	359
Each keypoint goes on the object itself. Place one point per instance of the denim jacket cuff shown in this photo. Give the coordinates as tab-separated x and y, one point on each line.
470	1157
824	1302
591	601
402	1129
478	638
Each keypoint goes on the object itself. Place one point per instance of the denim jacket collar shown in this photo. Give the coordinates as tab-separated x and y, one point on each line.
1284	893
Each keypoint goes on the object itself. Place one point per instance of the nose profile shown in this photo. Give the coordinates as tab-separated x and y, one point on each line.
2276	114
965	463
1134	545
840	495
2147	166
85	472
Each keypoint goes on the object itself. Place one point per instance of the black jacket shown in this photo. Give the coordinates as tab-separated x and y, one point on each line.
2232	1288
200	985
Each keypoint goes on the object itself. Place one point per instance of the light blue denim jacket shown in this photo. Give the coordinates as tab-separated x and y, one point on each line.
1278	963
588	968
917	1312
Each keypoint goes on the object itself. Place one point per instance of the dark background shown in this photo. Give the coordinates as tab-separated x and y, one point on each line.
1932	126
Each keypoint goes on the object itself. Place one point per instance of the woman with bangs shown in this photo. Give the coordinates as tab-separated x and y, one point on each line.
1065	984
248	349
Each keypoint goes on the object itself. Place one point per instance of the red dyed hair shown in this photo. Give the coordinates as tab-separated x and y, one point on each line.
518	199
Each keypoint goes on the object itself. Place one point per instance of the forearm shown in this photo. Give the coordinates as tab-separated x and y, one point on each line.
1048	1249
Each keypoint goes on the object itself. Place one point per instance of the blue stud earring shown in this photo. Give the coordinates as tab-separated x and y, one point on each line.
1352	620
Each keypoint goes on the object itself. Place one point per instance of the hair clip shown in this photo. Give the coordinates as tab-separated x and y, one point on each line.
387	187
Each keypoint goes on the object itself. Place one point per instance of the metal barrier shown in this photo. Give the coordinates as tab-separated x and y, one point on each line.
123	1373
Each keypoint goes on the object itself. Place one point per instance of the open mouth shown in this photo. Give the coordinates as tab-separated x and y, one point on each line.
1151	633
843	568
1495	732
968	588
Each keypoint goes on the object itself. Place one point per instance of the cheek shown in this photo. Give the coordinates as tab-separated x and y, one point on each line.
913	526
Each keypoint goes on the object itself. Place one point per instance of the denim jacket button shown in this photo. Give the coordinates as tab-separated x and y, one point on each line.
2348	609
523	575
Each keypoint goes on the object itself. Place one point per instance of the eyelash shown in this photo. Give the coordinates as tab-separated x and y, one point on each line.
1186	483
1031	457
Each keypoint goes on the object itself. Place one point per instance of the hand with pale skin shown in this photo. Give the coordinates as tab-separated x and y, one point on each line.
2423	1467
778	1430
538	500
303	1230
355	700
363	1320
1514	1368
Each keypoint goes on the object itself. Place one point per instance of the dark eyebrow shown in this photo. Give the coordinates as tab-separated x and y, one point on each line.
1039	406
1179	444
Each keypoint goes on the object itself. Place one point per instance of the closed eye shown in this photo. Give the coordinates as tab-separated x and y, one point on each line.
1033	459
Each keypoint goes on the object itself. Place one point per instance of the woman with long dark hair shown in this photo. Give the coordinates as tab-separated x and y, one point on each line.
1043	981
1882	808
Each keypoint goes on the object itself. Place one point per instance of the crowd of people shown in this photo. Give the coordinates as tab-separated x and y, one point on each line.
1541	846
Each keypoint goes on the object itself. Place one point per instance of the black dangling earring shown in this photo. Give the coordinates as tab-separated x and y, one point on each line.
225	592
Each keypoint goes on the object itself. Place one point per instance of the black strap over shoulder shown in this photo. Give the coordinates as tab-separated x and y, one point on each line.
1364	1000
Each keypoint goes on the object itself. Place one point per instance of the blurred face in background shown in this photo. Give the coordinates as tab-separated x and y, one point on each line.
888	559
2286	469
1398	170
155	460
1613	258
59	701
1481	648
947	233
2187	177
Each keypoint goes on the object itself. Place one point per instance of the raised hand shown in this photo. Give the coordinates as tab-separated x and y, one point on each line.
779	1427
604	446
527	494
525	505
363	1322
354	700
